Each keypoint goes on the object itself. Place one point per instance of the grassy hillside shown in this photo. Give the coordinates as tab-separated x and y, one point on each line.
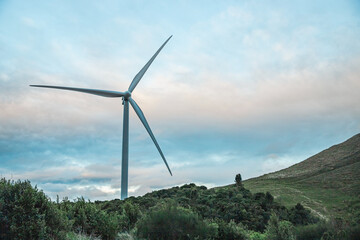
328	183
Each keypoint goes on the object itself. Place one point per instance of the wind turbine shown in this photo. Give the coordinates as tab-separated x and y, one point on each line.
126	97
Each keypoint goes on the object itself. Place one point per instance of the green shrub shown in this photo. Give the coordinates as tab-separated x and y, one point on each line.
354	232
311	232
133	214
230	231
26	213
169	221
256	236
279	230
333	229
298	215
124	236
79	236
340	229
89	219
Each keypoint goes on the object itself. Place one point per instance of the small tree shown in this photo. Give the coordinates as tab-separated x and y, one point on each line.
238	180
230	231
298	215
279	230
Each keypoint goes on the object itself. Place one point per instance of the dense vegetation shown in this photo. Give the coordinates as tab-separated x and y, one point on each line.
186	212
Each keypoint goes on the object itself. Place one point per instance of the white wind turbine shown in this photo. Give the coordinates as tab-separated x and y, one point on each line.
126	96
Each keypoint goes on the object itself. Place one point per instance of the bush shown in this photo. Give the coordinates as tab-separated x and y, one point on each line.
256	236
133	214
354	232
230	231
333	229
311	232
298	215
124	236
79	236
279	230
340	229
169	221
26	213
91	220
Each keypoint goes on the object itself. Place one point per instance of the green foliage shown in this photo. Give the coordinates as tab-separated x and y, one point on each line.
88	218
230	231
279	230
124	236
311	232
286	230
169	221
133	214
354	208
186	212
79	236
26	213
230	203
340	229
256	236
333	229
298	215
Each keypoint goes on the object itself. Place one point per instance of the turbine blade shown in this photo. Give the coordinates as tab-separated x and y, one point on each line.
103	93
148	129
140	74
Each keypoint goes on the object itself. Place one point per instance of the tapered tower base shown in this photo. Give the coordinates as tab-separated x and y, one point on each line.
125	152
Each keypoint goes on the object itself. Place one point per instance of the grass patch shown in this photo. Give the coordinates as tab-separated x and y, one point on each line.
324	202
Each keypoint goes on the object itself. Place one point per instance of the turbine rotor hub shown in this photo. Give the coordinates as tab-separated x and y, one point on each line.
127	95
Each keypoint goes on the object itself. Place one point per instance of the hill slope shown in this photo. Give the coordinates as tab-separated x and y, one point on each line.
328	183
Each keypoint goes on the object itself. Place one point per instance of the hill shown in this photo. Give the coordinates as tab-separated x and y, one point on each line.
327	183
186	212
234	203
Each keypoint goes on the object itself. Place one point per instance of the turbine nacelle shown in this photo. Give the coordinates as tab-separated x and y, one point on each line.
127	95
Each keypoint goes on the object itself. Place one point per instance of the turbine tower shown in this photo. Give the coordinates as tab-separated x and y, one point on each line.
126	97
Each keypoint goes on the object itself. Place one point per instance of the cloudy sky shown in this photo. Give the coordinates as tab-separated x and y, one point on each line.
244	87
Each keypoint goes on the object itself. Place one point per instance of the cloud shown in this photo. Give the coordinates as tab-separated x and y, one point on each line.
274	163
29	22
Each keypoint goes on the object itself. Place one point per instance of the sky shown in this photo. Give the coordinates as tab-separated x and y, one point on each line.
244	87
